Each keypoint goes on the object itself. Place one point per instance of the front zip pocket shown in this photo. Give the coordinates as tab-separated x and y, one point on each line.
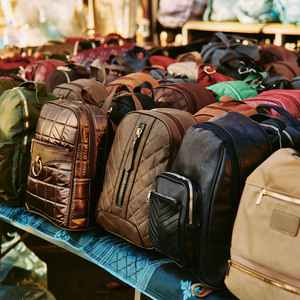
129	163
172	220
263	273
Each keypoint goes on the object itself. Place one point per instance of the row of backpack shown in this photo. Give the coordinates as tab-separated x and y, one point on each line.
160	165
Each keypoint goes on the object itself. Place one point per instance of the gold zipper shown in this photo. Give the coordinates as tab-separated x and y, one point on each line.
279	196
273	282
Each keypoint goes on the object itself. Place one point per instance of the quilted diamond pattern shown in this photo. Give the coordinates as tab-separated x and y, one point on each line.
150	155
67	167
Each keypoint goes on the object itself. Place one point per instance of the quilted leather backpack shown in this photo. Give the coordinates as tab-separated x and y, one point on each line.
68	156
145	144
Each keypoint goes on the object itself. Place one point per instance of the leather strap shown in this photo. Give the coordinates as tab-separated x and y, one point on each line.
205	291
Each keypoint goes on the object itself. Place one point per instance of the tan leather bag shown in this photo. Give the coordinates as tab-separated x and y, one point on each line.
265	257
145	145
225	104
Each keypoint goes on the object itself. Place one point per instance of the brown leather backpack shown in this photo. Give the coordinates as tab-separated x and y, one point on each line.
185	96
145	144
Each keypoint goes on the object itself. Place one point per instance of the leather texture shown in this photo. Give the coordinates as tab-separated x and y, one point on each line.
184	96
133	80
145	145
39	70
72	90
266	232
208	75
225	104
215	156
287	99
173	203
69	152
65	74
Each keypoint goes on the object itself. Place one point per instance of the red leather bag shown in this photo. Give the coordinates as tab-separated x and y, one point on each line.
39	70
208	75
287	99
113	45
225	104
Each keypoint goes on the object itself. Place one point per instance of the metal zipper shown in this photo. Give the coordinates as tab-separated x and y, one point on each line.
26	119
188	183
277	283
276	195
129	163
279	135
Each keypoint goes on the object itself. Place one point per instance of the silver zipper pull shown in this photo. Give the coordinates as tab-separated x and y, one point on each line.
261	194
148	196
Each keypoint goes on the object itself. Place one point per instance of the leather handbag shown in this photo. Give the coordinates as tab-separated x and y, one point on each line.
185	96
65	74
225	104
264	261
287	99
208	75
39	70
214	156
112	45
287	69
145	145
68	156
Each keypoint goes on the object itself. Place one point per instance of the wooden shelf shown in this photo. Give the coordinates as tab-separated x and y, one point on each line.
277	29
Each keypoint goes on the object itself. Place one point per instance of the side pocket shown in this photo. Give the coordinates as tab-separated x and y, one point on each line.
164	225
6	157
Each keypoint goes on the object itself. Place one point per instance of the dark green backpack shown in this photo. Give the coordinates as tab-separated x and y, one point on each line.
19	111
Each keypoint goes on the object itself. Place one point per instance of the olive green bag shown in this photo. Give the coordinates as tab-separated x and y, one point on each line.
19	111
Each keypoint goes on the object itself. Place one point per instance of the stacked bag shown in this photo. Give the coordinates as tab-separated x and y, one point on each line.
167	160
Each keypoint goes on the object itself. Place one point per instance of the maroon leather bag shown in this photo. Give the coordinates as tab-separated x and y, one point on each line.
39	70
68	157
208	75
185	96
287	99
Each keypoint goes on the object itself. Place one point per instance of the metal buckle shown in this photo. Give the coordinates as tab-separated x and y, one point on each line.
205	69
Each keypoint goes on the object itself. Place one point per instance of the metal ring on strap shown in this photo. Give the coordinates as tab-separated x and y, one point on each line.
37	161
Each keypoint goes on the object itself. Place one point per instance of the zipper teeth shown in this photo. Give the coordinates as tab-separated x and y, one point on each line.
279	134
278	196
191	193
273	282
26	120
234	91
